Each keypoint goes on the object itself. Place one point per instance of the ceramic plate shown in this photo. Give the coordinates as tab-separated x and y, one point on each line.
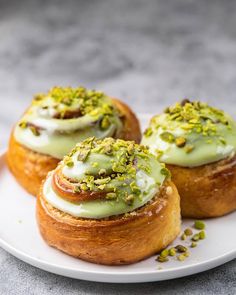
19	236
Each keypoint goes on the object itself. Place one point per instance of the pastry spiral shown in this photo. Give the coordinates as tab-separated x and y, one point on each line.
198	144
56	121
110	202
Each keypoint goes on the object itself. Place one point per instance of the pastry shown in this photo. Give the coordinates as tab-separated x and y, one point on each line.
109	202
198	143
55	122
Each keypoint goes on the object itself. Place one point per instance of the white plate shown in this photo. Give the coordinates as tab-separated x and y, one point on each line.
19	236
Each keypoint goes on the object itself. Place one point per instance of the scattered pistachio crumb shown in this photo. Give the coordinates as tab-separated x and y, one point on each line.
167	136
181	248
34	130
188	232
162	259
111	196
172	251
198	224
187	254
148	132
193	245
189	148
77	189
84	187
23	124
180	141
164	253
183	237
69	163
105	123
129	199
102	171
202	235
195	238
181	257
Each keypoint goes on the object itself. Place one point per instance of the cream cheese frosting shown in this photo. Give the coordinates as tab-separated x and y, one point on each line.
127	173
59	119
191	134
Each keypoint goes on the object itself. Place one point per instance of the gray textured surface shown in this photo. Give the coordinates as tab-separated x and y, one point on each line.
149	53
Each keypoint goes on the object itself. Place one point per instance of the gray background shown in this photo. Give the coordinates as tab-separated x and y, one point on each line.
149	53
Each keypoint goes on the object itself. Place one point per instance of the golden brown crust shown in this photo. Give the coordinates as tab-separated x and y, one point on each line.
131	130
30	167
208	190
122	239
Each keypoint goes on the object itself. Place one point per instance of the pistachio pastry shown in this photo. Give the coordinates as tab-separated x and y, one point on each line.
104	183
56	121
198	144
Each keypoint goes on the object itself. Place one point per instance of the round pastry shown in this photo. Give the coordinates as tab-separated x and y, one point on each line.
198	144
56	121
109	202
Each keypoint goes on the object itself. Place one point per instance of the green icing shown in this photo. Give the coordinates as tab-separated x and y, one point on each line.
59	119
128	174
191	134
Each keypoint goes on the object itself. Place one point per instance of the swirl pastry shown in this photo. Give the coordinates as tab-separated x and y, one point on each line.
198	144
56	121
109	202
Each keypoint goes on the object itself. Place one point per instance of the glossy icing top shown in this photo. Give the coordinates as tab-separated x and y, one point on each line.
191	134
59	119
125	172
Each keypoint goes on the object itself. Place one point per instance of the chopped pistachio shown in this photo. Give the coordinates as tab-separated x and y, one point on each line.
94	164
67	101
148	132
162	259
181	248
222	140
130	199
83	154
101	187
69	163
135	189
84	187
164	253
34	130
167	136
189	148
187	254
172	251
165	171
188	232
180	141
202	235
102	180
193	244
105	123
102	172
183	237
23	124
77	189
195	238
198	224
181	257
111	196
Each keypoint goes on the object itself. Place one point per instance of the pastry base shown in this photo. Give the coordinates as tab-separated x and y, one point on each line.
208	190
28	167
122	239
